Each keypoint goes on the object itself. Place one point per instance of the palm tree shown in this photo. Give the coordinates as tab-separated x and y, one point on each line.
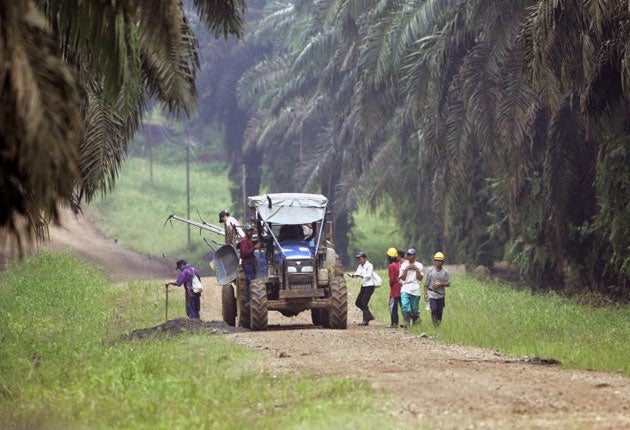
78	76
491	128
577	61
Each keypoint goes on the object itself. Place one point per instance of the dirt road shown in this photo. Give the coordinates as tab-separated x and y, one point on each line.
81	236
444	386
447	386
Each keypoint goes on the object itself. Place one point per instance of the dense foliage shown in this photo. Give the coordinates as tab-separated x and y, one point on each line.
77	76
498	129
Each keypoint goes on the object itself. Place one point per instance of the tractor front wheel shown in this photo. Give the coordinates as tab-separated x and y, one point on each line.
338	312
258	304
241	297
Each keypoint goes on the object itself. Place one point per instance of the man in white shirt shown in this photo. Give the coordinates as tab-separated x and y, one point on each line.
410	277
232	226
365	271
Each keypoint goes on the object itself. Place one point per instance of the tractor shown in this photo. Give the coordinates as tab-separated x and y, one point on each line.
297	266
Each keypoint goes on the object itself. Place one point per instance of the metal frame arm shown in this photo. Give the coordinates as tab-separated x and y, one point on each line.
202	225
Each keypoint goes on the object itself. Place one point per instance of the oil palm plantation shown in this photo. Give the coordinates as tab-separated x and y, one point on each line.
496	129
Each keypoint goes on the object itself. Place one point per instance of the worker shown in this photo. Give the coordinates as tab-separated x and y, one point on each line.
365	271
291	233
434	287
248	259
185	279
410	277
232	227
394	285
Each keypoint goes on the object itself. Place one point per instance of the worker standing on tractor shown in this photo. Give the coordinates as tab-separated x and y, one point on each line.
394	285
232	227
365	271
248	260
410	277
185	278
434	287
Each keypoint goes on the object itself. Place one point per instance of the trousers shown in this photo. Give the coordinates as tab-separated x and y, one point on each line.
410	304
193	305
363	299
437	307
394	304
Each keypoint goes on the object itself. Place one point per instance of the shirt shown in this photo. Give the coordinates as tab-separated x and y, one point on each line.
233	222
433	276
247	252
411	284
185	279
394	281
365	271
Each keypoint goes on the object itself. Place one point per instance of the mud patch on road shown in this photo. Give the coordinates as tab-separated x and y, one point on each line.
181	326
536	360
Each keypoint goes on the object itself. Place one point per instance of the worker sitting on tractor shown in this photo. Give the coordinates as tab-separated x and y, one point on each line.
291	232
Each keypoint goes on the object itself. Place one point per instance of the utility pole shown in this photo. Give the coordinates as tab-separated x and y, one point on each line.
188	186
149	143
244	194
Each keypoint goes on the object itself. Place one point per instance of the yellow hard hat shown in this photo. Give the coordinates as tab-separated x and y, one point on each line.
392	252
438	256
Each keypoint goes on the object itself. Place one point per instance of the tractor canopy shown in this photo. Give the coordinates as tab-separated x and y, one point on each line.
289	208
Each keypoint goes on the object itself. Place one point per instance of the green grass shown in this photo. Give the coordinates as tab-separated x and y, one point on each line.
374	234
519	323
64	364
135	211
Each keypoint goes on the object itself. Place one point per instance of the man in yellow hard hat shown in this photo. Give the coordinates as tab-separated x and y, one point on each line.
434	287
394	285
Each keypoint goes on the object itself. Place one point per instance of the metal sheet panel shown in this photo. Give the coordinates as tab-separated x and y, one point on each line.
289	208
226	264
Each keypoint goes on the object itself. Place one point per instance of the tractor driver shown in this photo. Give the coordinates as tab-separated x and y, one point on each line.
291	232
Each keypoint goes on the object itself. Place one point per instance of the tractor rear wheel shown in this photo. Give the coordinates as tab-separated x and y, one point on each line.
228	305
338	312
258	305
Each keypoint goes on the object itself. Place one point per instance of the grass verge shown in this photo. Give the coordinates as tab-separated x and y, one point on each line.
519	323
135	212
63	364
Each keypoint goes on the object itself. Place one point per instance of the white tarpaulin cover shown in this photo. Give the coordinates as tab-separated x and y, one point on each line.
289	208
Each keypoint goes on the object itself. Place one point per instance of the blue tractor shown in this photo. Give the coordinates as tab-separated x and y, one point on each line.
297	266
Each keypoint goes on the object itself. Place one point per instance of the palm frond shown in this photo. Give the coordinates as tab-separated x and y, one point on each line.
222	17
255	83
40	123
169	58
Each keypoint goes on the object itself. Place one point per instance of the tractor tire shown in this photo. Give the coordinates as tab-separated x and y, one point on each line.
228	305
258	305
338	312
243	304
320	317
